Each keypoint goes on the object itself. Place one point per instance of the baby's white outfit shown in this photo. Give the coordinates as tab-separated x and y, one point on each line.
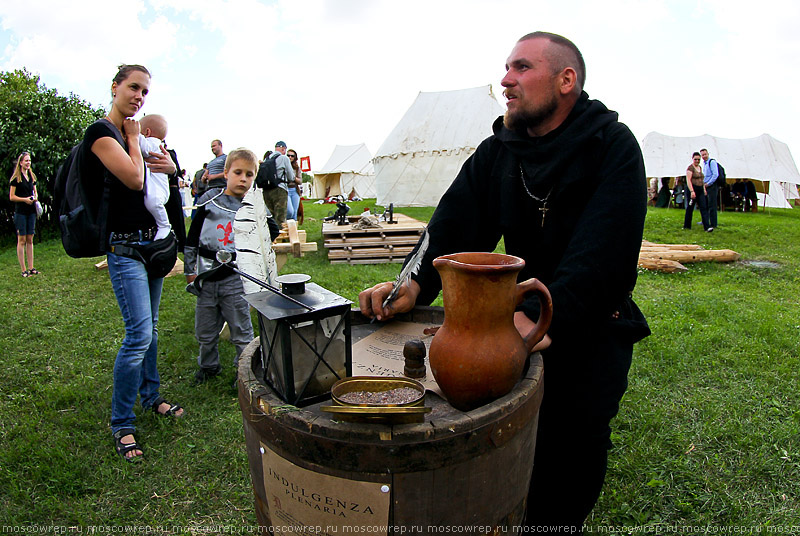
156	188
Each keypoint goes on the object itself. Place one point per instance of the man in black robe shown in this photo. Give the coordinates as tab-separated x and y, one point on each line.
562	181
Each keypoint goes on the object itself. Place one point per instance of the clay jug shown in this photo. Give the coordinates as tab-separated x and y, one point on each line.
478	355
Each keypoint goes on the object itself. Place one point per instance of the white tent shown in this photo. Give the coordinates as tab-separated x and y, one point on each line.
423	154
764	159
349	168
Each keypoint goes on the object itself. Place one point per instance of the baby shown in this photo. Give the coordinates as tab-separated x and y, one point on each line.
156	185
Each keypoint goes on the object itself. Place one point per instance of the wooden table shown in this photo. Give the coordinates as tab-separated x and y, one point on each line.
454	469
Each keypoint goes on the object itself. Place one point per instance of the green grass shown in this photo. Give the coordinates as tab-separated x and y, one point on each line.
708	432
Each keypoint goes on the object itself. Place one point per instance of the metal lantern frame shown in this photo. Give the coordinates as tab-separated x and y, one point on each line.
284	340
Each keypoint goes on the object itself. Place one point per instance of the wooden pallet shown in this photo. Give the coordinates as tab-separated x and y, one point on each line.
389	243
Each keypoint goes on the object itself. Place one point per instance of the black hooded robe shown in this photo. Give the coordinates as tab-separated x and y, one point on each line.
585	249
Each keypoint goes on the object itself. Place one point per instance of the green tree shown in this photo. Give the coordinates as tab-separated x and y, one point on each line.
36	119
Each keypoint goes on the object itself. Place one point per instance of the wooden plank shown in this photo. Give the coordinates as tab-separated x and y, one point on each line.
367	261
294	240
345	234
404	224
358	254
284	236
378	251
287	248
372	241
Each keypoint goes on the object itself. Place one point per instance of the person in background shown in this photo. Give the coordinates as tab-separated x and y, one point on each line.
214	175
664	194
750	196
569	197
680	194
129	224
293	201
697	191
652	192
220	298
199	186
175	201
710	178
24	196
277	198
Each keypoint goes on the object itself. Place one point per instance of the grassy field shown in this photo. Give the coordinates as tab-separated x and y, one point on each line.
708	433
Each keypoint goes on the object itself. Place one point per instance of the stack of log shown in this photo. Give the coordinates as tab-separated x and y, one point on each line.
668	257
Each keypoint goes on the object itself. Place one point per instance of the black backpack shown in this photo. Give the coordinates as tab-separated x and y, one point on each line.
83	222
721	177
267	176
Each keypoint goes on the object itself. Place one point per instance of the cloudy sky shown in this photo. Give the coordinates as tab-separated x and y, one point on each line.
317	73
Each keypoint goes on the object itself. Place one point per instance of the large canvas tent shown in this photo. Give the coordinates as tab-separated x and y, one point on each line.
764	160
423	154
348	168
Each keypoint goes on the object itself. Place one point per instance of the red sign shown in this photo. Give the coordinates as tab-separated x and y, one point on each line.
305	163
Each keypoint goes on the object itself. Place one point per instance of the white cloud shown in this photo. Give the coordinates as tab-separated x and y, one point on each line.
317	73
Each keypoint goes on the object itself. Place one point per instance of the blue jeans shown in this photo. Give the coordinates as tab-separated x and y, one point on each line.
135	369
292	204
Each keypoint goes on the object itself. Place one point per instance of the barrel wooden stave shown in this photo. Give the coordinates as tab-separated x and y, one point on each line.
442	471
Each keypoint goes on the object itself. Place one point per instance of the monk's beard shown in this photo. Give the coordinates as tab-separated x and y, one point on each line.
520	120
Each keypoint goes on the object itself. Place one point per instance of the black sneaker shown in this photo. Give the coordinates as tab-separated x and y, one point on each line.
205	374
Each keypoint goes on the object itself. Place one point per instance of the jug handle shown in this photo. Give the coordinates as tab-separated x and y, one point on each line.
546	310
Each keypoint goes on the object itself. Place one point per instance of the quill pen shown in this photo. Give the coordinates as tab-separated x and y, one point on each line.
412	267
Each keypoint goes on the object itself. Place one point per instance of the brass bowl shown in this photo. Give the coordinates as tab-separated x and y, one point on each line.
413	411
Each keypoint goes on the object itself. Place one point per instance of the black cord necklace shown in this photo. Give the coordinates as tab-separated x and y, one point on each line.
543	209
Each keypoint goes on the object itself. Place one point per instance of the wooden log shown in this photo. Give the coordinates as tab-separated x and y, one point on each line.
662	247
718	255
176	270
661	265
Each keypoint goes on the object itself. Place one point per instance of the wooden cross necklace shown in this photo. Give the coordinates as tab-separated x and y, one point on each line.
543	209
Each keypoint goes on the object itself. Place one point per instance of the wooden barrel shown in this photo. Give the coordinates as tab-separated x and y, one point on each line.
455	471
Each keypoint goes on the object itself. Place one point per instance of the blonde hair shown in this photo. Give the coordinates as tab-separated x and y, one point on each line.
241	154
17	175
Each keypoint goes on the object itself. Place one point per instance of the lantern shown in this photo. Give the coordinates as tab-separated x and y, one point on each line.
305	340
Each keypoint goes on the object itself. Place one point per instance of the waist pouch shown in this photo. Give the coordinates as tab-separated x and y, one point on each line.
158	256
